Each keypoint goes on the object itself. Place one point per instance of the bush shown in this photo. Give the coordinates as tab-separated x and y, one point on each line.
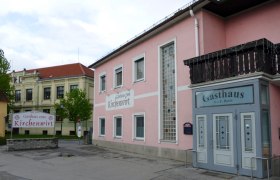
2	141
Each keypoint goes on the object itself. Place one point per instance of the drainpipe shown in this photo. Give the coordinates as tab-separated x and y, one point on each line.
196	33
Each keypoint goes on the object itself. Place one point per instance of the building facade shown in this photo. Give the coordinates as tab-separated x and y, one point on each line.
39	90
147	101
3	113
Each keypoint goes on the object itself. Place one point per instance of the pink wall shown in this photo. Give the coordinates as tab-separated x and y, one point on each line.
275	117
260	22
213	34
183	34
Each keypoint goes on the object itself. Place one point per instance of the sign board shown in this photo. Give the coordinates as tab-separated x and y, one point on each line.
33	119
229	96
120	100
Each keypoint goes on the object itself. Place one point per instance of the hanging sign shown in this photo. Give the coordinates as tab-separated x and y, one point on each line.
228	96
33	119
120	100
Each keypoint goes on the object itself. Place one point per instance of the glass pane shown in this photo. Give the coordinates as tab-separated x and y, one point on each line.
102	126
201	134
248	133
139	68
118	126
140	126
118	77
264	94
265	134
222	134
103	81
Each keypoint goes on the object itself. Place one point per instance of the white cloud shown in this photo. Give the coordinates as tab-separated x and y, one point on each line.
49	32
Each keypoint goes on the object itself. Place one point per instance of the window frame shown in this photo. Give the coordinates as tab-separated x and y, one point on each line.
28	95
134	68
135	126
17	96
115	76
100	82
100	126
45	97
115	127
57	94
73	85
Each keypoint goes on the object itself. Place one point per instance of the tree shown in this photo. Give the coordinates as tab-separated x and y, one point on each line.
75	106
5	86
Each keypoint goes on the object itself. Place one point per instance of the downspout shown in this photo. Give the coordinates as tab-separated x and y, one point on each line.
197	52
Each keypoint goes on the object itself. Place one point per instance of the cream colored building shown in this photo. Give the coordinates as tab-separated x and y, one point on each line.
40	89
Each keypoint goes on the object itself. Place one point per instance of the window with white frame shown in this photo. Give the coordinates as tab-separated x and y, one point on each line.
118	76
102	126
118	126
139	69
102	82
139	126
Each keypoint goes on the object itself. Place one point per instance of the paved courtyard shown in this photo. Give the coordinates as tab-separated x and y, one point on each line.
72	161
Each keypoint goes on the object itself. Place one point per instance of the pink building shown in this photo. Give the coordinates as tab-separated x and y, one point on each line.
147	101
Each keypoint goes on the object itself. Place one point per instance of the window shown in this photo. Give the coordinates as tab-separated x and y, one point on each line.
45	132
118	126
17	95
27	110
47	93
46	111
102	126
139	126
102	82
59	92
72	133
28	94
264	95
72	87
26	132
139	69
118	77
57	132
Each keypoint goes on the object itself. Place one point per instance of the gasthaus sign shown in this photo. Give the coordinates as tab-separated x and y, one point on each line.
120	100
33	119
229	96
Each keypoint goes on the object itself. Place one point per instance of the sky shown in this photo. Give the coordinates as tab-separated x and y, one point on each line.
43	33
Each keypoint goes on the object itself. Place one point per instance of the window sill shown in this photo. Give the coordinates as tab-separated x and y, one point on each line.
139	139
139	80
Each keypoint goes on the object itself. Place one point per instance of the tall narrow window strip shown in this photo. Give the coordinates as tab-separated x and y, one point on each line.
139	69
28	94
118	77
168	93
47	93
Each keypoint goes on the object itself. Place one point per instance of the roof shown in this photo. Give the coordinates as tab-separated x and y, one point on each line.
67	70
3	97
223	8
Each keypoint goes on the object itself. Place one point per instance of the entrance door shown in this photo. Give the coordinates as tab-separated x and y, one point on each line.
223	140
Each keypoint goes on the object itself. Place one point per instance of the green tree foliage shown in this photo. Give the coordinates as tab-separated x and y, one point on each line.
5	86
75	106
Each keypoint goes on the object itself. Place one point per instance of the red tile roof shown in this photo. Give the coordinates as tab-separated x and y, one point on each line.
67	70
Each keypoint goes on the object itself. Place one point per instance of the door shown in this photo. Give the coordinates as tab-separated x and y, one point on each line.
248	140
201	138
223	140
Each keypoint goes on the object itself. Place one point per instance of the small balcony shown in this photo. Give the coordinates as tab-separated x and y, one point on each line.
260	56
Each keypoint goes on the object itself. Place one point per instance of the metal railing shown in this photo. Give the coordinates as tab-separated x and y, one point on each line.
268	160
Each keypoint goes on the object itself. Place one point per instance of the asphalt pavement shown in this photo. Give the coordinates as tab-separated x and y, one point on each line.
74	161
